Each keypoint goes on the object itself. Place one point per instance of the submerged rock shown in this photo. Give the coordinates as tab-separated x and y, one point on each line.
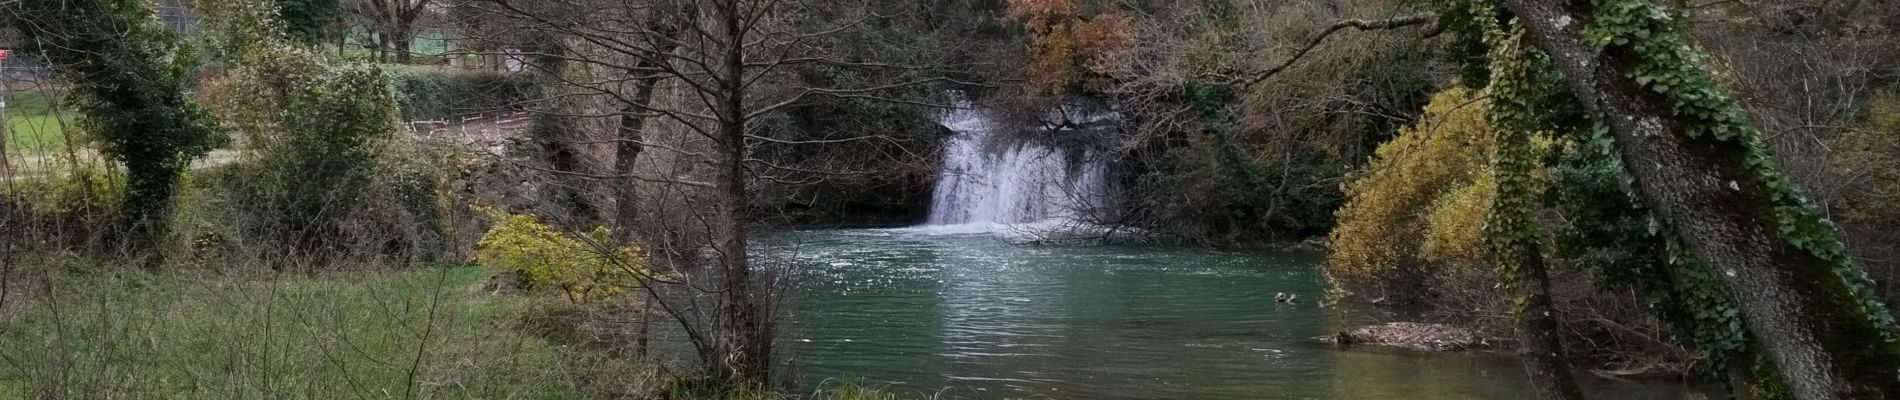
1410	336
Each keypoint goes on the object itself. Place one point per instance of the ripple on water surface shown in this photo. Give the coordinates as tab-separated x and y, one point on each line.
934	310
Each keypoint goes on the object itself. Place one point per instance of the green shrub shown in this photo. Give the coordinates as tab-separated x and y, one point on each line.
66	210
313	133
432	94
130	78
326	169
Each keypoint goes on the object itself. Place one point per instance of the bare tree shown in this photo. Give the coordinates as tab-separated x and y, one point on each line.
394	21
695	78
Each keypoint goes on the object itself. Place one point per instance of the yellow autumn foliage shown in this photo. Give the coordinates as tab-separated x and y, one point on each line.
1418	210
1454	231
586	267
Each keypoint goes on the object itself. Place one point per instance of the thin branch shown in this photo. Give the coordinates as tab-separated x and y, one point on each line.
1314	42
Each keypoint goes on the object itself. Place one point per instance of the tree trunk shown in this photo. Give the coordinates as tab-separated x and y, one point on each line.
633	119
1512	232
1537	324
378	52
746	338
6	166
626	156
400	40
1804	313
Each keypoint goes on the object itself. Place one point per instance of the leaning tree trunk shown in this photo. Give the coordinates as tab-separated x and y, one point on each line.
1698	163
627	189
1512	235
1516	247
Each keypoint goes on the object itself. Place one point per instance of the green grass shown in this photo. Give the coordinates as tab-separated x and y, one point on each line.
92	330
32	127
86	331
115	332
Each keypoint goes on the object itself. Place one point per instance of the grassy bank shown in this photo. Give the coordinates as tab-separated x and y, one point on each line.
85	331
119	333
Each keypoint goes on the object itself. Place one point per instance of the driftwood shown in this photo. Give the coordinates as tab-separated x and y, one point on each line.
1410	336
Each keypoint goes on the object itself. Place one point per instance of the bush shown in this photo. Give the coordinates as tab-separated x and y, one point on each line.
70	209
1864	162
400	216
586	268
326	169
433	94
313	133
1420	206
1412	231
1454	230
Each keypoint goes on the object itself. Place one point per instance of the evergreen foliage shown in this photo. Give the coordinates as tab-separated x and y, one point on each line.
1648	36
308	20
315	131
429	94
132	82
1669	67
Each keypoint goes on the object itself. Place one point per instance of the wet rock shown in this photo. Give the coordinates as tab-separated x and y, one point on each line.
1410	336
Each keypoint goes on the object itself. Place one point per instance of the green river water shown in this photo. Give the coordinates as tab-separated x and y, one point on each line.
969	316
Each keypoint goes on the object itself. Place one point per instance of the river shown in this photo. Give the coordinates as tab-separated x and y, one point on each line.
923	312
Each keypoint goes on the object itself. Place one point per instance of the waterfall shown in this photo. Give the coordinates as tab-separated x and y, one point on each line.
989	182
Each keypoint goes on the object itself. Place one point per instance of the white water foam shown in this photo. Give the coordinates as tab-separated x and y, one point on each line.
987	186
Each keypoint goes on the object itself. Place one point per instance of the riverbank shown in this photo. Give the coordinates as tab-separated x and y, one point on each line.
75	330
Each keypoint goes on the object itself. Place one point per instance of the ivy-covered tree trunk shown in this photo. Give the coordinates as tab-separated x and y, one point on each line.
1512	235
1698	162
133	86
1517	250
